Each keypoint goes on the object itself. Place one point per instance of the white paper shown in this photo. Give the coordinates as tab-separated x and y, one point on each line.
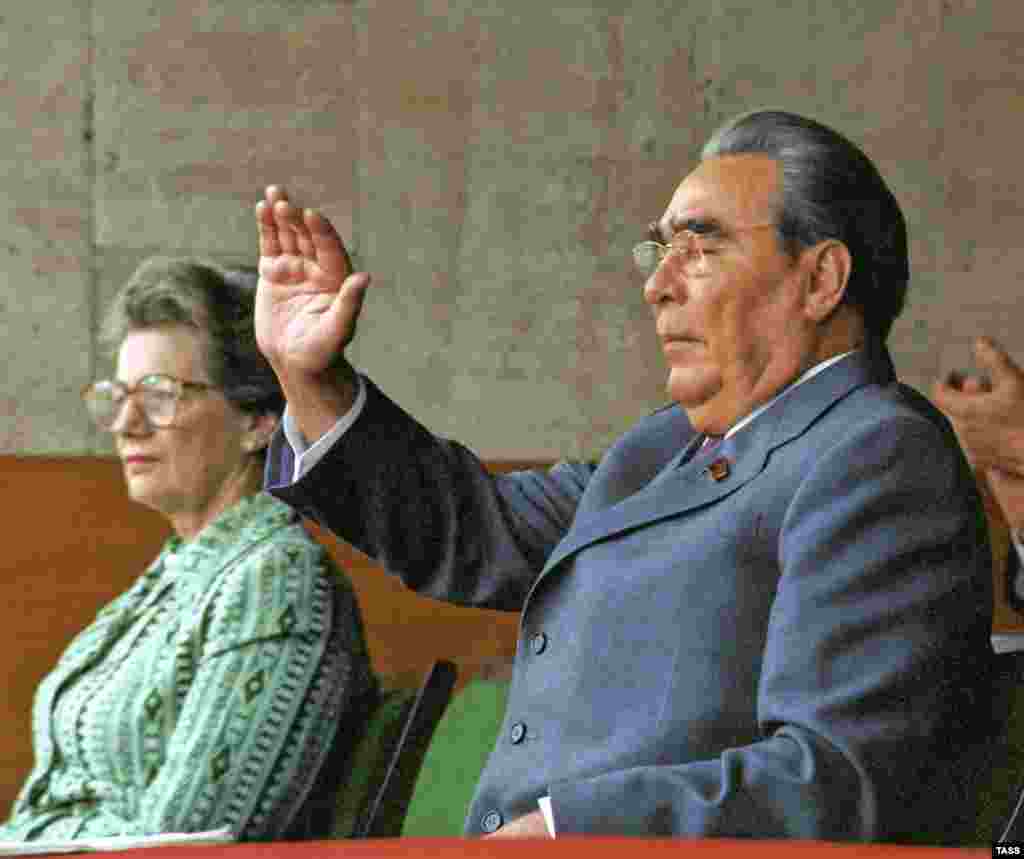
114	842
549	816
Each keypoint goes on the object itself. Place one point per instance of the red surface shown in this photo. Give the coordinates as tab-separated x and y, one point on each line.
563	848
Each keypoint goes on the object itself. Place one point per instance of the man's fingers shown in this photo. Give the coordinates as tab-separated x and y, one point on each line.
270	236
951	397
976	385
962	396
349	304
273	193
285	216
270	246
994	358
282	270
304	240
330	249
285	231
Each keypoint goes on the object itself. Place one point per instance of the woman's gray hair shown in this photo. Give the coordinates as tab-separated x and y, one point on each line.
217	301
830	190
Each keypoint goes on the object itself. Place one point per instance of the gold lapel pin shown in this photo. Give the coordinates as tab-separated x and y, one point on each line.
719	469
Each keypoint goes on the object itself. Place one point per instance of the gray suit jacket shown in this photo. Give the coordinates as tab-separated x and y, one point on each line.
792	644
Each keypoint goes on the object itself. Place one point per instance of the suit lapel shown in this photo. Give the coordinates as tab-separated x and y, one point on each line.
679	489
676	490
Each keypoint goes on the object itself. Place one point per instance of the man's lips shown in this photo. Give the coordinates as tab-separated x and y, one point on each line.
681	350
668	340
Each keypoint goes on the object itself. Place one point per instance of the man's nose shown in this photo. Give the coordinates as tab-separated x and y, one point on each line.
662	286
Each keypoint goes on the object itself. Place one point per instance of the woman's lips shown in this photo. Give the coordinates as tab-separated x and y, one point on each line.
136	461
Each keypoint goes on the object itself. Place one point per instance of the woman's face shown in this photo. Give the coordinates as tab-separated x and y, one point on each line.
197	467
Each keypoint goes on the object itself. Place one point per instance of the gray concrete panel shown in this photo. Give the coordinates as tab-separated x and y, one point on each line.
200	104
45	288
491	163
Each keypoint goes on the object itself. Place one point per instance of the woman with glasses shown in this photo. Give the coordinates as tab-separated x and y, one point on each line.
210	693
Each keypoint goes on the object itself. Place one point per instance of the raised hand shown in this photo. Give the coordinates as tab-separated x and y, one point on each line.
988	413
988	416
307	305
308	300
1008	490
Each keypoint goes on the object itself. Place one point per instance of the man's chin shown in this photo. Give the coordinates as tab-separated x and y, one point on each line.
699	398
709	416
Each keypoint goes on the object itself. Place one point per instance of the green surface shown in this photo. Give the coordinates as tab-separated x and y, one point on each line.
456	756
369	760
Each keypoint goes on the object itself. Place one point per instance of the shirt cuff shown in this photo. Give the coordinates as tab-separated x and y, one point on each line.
549	818
306	455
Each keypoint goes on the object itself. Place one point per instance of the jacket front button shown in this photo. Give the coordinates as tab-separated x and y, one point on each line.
518	733
539	643
490	822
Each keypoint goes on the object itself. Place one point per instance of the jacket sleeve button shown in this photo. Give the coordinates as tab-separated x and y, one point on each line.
539	643
491	822
518	733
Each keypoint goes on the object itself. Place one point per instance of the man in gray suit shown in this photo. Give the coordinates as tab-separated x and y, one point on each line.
782	632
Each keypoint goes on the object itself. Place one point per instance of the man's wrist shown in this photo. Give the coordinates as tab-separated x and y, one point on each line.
317	401
306	455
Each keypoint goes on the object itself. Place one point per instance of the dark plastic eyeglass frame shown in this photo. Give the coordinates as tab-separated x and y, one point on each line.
129	391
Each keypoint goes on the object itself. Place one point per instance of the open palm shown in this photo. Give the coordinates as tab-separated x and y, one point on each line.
307	303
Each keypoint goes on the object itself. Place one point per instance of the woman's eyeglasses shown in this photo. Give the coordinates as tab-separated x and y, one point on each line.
157	395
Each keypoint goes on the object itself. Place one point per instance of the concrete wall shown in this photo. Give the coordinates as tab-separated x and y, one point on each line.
492	161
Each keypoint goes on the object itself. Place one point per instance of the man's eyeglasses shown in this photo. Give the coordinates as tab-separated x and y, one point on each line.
692	248
157	395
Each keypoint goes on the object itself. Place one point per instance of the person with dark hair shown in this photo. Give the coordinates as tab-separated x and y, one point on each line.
830	190
766	611
211	692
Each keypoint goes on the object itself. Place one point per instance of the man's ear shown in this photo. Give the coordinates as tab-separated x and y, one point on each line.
261	428
828	269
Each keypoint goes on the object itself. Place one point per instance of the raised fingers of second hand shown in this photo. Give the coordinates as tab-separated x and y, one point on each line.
282	229
308	234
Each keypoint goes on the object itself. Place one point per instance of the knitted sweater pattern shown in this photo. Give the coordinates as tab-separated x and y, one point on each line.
206	695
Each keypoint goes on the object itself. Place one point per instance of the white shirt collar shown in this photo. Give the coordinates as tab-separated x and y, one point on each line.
807	374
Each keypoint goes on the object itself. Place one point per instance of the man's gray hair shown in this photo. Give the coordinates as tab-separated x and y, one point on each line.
830	190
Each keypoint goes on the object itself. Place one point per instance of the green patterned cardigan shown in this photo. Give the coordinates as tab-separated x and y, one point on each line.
208	694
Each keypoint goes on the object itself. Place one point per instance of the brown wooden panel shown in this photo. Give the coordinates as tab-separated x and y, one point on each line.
72	540
1004	617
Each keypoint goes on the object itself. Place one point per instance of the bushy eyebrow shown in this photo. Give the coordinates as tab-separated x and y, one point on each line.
699	224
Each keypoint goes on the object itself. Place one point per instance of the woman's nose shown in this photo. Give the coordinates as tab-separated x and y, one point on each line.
651	289
130	417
